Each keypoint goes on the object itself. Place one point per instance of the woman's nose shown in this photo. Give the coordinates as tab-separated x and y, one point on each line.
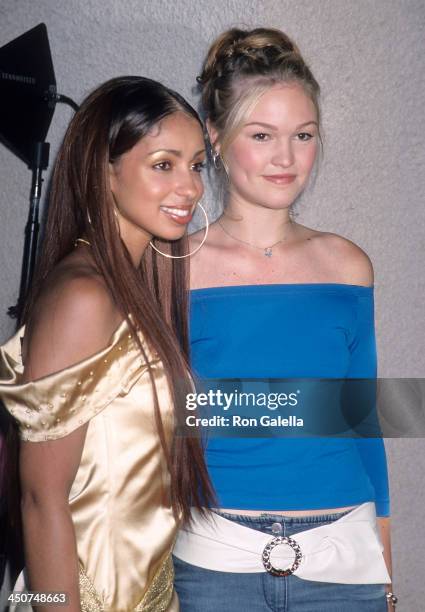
283	154
189	184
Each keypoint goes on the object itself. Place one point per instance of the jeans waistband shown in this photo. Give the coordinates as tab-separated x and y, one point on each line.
265	518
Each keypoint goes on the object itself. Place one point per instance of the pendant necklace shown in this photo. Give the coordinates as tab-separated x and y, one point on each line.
267	251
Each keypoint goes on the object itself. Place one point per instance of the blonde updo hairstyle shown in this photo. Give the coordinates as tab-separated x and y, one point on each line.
240	66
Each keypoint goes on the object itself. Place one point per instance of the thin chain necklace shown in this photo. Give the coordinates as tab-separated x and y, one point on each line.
267	251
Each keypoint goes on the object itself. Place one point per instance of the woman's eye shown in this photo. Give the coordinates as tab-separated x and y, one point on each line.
164	165
304	136
261	136
198	167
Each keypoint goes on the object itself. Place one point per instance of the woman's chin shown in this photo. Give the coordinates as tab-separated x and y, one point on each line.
171	235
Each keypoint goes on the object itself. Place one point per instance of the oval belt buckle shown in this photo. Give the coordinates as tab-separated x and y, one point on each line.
277	542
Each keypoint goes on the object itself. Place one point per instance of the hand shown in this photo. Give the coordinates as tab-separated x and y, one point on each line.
391	607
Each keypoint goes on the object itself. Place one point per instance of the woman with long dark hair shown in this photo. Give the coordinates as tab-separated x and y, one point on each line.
97	376
296	526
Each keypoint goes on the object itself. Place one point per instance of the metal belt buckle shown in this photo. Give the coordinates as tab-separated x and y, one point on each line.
277	542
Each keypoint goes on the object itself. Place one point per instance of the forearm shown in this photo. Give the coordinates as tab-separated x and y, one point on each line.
50	552
384	526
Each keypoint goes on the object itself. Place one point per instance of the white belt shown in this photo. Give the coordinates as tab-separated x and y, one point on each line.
347	551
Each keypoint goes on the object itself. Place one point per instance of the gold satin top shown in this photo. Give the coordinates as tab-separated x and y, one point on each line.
119	500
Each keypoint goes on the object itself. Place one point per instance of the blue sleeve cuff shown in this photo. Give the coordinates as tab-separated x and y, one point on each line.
382	508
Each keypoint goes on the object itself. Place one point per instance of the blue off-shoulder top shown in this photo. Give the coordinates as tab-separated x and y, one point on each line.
322	330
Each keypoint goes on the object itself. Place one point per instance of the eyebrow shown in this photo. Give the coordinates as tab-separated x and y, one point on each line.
273	127
175	152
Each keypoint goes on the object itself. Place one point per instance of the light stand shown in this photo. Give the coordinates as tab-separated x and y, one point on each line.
29	97
32	228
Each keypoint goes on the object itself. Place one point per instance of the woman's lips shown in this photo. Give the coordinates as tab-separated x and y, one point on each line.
179	214
280	179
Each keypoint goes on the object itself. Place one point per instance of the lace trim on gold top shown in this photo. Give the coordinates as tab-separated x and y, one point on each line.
156	599
90	600
160	592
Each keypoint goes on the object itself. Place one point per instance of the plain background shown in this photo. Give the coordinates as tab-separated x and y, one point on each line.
368	57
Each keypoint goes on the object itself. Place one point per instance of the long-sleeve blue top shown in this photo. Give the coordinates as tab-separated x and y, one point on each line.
322	330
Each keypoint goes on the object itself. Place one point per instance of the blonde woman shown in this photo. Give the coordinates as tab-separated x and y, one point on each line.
272	298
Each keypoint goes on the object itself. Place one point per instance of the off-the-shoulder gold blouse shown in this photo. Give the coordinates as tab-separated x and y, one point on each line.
124	525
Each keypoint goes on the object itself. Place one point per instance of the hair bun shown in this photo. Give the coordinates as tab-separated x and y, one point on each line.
239	54
255	48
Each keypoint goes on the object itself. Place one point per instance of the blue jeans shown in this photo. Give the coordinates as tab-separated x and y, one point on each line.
202	590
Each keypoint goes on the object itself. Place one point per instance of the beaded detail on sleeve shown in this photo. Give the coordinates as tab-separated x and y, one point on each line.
55	405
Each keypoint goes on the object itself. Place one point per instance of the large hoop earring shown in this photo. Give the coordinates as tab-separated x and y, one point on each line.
194	250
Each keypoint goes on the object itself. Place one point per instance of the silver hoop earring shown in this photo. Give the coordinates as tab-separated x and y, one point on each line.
194	250
217	163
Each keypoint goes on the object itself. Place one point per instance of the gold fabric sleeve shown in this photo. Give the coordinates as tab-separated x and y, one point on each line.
119	500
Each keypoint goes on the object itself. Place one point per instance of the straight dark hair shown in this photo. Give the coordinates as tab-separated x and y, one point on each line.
111	120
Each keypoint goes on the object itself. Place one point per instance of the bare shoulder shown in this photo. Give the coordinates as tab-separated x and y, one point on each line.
352	263
73	318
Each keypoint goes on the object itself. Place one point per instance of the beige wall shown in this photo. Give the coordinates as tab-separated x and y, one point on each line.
369	58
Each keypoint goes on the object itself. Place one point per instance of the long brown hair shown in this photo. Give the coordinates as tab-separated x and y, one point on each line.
111	120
